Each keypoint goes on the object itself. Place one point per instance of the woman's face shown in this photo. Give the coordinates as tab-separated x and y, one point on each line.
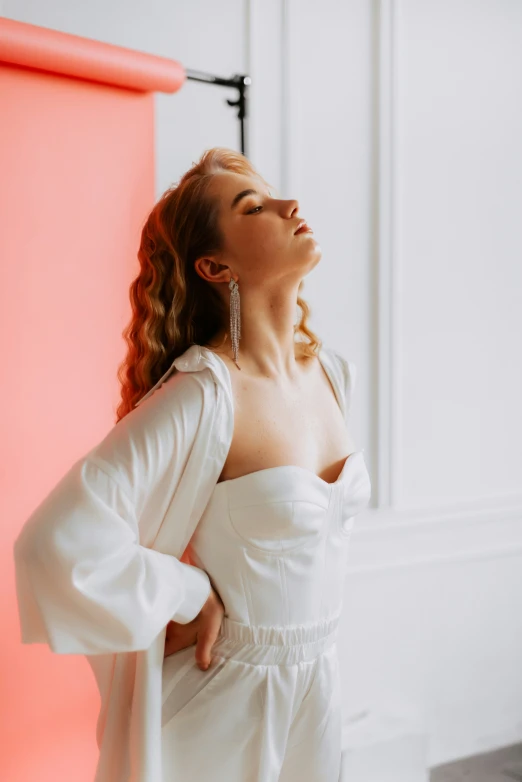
261	247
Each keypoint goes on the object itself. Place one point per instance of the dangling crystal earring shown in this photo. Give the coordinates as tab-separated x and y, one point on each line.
235	318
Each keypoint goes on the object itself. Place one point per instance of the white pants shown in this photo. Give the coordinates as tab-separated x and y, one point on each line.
266	710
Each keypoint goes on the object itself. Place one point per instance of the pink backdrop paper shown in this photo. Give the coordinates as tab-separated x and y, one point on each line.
77	181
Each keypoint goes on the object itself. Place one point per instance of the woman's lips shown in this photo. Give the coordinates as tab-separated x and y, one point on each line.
304	229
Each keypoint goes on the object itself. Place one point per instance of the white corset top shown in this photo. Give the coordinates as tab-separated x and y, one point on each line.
274	542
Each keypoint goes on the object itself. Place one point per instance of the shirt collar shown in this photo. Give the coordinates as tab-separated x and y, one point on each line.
194	359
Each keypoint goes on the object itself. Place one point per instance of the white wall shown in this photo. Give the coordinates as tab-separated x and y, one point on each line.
459	242
397	126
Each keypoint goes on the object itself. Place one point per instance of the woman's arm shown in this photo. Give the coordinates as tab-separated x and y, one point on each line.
85	582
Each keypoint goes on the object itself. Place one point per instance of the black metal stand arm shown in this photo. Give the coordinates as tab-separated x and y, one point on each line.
241	82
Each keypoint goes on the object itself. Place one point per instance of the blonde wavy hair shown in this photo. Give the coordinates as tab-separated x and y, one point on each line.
172	306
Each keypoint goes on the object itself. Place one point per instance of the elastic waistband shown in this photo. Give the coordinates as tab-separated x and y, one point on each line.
271	645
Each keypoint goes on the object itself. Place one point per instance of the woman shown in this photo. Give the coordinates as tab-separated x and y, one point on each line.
214	519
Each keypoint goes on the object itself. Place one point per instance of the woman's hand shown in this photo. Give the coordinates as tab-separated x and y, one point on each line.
202	630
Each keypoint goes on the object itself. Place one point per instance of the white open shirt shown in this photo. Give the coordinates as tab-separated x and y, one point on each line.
98	563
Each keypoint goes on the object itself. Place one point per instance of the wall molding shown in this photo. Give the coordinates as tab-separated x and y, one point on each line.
467	511
482	529
386	300
289	150
443	559
267	29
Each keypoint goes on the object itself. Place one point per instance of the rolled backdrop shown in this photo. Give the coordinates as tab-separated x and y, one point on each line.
76	183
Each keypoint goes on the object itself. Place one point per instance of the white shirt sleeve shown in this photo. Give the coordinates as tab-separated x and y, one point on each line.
85	584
